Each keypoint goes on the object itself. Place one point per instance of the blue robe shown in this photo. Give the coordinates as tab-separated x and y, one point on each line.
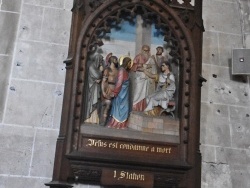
120	104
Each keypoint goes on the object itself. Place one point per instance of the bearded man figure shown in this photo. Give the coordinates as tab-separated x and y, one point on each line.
158	58
140	81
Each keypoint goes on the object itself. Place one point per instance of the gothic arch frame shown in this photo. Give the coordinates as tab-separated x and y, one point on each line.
169	17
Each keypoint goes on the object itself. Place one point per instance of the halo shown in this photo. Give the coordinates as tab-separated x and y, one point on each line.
122	58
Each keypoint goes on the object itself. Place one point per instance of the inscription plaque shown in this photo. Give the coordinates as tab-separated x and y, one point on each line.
136	151
127	177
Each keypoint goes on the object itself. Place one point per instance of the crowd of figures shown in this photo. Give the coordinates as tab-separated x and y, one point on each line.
115	87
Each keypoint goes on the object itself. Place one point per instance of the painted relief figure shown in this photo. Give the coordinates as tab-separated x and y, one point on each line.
164	91
140	80
93	90
108	84
120	109
158	58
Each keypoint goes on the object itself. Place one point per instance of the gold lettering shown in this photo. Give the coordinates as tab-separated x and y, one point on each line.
130	176
153	149
127	146
142	177
90	142
113	145
134	147
96	143
122	175
163	150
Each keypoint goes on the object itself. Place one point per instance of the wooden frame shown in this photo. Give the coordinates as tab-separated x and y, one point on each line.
99	159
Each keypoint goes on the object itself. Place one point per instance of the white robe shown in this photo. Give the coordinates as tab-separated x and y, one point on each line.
163	94
143	85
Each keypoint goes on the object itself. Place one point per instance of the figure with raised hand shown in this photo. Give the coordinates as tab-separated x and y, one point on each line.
140	81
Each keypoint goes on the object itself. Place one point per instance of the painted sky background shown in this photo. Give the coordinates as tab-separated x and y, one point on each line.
128	33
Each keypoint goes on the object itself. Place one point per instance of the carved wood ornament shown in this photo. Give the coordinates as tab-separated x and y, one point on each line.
180	165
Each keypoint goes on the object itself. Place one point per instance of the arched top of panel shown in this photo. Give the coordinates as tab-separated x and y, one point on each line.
108	14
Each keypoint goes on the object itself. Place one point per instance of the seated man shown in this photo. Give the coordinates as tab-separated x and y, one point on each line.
164	91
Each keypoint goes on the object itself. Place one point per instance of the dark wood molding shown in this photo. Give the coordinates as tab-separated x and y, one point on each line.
182	26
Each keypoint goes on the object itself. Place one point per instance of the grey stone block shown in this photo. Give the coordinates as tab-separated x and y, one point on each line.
204	185
206	73
208	153
15	149
232	1
30	103
232	156
214	110
94	186
8	29
216	175
221	16
247	40
210	50
47	3
240	133
240	175
31	28
5	66
11	5
227	43
57	31
244	8
23	182
37	61
68	4
215	128
226	91
240	114
220	73
44	153
213	88
86	186
58	106
240	128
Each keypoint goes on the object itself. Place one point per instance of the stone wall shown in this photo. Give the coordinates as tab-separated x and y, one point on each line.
225	121
33	44
34	37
